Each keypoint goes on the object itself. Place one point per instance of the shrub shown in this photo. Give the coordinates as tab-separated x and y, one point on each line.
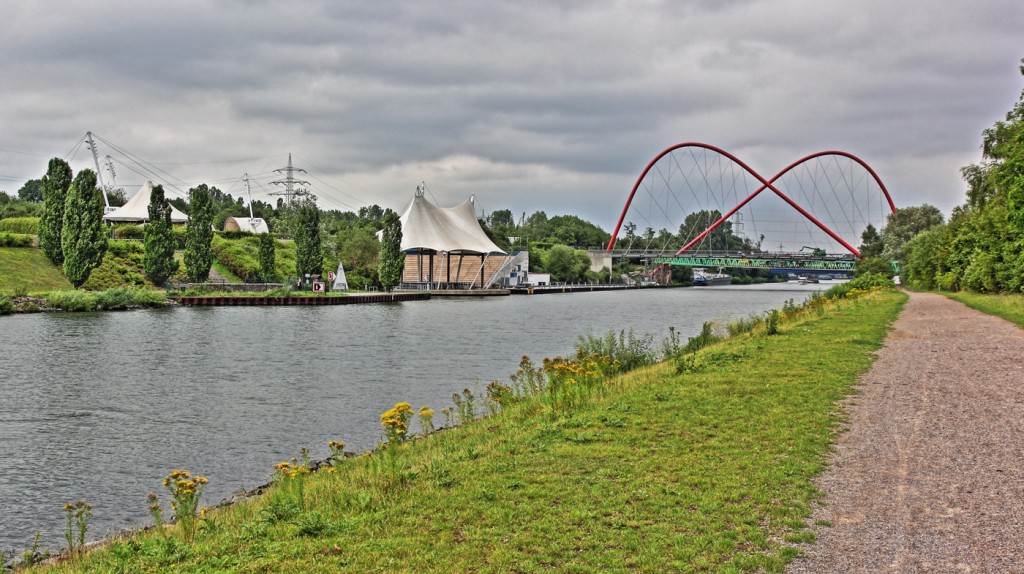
128	231
6	306
630	351
23	225
864	282
706	337
15	240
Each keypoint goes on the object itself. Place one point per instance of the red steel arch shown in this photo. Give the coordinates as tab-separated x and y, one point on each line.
765	184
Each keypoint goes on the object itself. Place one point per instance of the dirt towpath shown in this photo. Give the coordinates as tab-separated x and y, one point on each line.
929	476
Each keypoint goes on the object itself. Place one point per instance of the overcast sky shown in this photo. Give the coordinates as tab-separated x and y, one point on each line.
553	106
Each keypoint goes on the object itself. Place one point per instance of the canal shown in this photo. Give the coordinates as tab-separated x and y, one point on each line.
101	406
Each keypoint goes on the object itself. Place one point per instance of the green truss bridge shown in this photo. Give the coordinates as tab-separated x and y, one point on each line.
778	262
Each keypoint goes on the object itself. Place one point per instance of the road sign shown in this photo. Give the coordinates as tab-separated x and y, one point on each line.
330	275
318	286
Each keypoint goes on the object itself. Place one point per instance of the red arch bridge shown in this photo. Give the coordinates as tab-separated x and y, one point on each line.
698	205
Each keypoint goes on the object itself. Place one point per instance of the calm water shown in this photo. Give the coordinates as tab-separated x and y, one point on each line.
102	406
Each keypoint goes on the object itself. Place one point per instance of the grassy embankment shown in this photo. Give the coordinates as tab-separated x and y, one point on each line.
27	269
1007	306
701	464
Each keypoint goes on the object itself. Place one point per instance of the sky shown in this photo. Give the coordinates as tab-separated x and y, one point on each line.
554	106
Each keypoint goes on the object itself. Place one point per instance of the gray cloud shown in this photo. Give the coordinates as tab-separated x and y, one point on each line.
533	106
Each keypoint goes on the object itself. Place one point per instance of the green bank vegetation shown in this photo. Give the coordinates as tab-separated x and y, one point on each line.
702	462
27	269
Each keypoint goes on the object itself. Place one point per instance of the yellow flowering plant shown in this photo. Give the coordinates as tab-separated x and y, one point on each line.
396	422
186	490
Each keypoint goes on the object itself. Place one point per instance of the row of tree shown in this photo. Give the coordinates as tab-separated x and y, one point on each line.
981	248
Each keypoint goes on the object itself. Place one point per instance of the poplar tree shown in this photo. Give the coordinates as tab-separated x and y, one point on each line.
55	190
199	234
158	261
267	257
83	239
309	255
392	259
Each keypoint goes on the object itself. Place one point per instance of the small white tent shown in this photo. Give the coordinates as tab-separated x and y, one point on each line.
247	224
137	208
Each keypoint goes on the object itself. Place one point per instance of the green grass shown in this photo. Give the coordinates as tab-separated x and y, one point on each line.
27	269
705	471
1007	306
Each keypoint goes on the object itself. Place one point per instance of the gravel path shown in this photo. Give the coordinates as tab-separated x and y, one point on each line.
929	476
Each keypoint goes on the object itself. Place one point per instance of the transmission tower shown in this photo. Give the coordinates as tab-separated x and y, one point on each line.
289	182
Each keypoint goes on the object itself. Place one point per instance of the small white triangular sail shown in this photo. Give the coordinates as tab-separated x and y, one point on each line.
340	283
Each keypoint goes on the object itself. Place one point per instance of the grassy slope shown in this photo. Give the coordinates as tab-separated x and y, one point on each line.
28	268
706	471
1007	306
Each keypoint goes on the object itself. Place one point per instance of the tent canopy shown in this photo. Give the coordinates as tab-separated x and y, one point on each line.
427	227
137	208
249	224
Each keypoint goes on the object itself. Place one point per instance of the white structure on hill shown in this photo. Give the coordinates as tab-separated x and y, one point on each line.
137	209
247	224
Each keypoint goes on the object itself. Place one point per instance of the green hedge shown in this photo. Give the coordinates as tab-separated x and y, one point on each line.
24	225
110	299
15	240
128	231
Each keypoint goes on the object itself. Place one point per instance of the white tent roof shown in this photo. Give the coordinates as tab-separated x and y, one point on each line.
249	224
426	226
137	208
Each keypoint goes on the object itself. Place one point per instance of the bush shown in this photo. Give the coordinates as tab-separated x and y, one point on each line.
630	351
15	240
6	306
111	299
864	282
24	225
128	231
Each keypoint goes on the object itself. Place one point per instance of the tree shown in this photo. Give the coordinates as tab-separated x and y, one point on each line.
199	234
158	260
83	241
268	257
309	255
902	226
392	259
879	265
32	191
566	264
55	189
870	242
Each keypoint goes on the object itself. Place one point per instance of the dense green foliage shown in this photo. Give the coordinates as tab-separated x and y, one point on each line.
358	249
309	254
14	207
199	234
51	224
902	226
15	240
267	257
566	264
122	266
109	300
981	248
392	259
25	225
83	239
158	261
32	191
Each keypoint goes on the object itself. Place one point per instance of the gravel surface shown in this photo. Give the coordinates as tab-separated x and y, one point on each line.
929	475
